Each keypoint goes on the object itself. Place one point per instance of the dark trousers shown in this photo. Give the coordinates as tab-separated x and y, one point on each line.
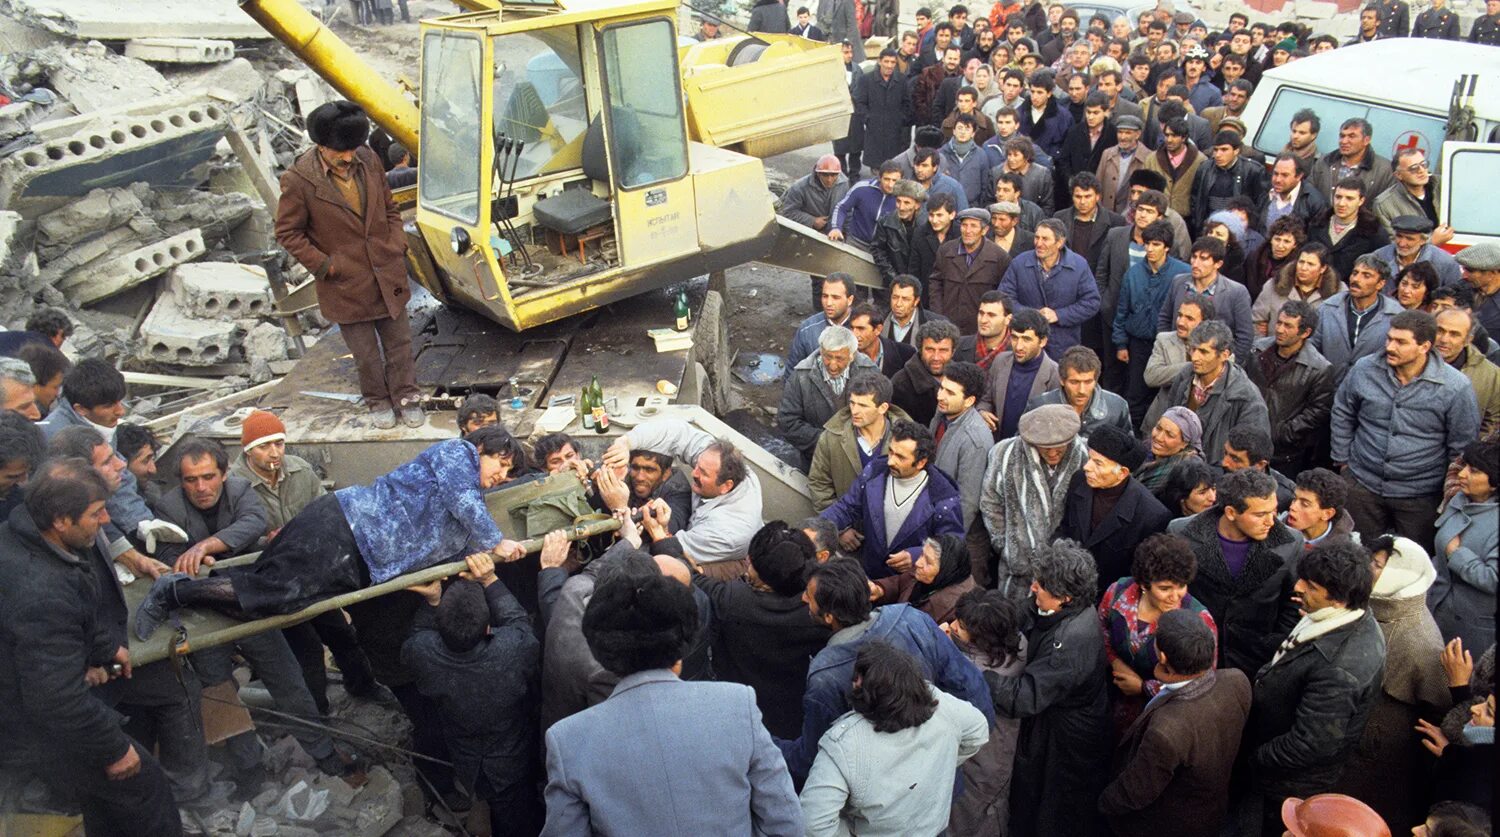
273	662
141	806
332	630
426	737
515	811
163	715
1137	393
382	358
1409	517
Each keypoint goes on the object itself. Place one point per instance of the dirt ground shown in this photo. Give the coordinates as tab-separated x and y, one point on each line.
766	303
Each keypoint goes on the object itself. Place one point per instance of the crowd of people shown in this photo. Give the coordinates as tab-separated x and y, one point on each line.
1155	493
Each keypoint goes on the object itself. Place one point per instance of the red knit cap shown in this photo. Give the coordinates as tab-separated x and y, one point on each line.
261	427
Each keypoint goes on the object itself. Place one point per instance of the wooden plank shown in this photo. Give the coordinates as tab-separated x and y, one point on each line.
152	379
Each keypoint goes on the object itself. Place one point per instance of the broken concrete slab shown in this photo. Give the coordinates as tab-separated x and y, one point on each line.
99	210
221	290
267	342
163	148
180	50
113	20
126	271
19	273
169	335
90	76
236	80
216	214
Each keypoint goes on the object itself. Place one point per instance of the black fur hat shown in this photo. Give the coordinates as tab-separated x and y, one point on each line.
341	126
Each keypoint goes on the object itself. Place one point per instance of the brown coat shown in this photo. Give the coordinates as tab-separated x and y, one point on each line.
1172	766
955	287
359	263
1180	186
942	606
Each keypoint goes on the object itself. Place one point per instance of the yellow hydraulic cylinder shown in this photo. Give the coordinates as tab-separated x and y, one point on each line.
339	65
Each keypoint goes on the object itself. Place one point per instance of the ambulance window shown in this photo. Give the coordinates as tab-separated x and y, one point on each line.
1390	127
1471	182
646	135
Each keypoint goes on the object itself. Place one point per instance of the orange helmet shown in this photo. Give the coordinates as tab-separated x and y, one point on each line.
828	164
1331	815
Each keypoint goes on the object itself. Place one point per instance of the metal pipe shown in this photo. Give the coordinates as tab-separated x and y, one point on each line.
339	65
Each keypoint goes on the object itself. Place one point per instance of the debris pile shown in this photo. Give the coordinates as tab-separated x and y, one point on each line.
139	152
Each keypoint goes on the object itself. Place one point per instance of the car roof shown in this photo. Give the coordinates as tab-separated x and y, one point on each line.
1401	70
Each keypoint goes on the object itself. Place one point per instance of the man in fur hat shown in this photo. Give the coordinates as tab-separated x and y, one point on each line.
337	218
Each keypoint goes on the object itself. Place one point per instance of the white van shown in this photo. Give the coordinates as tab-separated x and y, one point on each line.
1404	87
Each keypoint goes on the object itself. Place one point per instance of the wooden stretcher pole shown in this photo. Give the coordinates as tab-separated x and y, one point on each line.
434	573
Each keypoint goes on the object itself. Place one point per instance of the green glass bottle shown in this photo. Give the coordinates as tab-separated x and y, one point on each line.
680	309
586	408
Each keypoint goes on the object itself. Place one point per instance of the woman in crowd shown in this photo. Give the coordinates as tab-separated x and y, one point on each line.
1060	699
1310	278
937	579
1468	537
1190	488
1158	582
987	629
1176	438
1414	286
1228	228
1283	242
888	766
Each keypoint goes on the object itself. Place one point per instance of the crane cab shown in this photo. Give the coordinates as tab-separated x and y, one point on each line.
555	170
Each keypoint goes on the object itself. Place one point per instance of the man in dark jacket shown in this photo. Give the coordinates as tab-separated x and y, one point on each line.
838	596
926	501
221	514
1078	374
814	390
1172	766
1245	559
1348	229
1060	699
1296	382
966	269
883	102
810	200
1083	147
1108	511
924	87
866	321
473	652
1044	121
336	217
764	636
1313	697
1056	281
894	247
768	16
1215	388
914	388
1353	158
907	314
1229	175
1290	193
62	625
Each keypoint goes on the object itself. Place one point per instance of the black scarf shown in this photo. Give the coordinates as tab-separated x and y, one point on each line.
953	568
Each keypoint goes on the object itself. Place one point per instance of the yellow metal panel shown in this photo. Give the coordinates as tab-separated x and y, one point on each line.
656	222
733	201
749	107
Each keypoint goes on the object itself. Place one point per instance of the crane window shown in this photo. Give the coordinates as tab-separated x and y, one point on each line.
644	102
539	100
449	179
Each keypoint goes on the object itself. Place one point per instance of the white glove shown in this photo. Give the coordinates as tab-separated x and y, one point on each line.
155	530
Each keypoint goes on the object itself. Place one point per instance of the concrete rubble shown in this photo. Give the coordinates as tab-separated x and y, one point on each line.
124	201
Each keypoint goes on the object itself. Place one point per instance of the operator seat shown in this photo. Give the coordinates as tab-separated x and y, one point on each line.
577	209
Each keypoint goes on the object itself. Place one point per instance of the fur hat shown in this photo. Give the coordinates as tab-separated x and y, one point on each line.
341	126
1147	178
1050	426
1117	446
910	189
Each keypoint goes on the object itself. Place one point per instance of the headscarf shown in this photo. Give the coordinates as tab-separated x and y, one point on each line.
953	568
1188	424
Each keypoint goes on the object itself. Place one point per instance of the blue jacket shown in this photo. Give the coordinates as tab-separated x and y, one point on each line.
832	670
423	513
125	505
1332	337
1142	295
1462	597
805	341
1070	291
942	184
938	510
1048	134
1398	440
663	756
862	206
1232	307
972	173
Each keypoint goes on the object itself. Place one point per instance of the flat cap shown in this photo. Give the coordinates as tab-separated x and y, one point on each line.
976	214
1484	256
1411	224
910	189
1128	123
1183	18
1005	208
1050	426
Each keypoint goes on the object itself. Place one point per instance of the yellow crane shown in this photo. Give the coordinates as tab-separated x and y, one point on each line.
577	152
